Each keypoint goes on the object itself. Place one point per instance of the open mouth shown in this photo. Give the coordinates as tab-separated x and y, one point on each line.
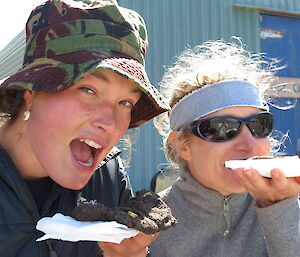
85	151
234	159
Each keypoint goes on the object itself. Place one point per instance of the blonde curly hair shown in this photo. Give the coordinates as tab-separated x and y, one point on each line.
204	65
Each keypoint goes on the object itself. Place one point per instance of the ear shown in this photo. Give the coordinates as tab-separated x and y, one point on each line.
28	95
182	148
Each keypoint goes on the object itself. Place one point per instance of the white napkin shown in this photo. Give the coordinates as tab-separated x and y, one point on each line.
289	165
68	229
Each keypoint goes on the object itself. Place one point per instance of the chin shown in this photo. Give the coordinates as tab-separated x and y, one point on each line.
239	190
77	187
74	185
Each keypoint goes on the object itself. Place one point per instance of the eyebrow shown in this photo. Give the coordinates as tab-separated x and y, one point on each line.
101	76
137	90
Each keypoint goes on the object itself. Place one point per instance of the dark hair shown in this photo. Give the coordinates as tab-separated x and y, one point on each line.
11	102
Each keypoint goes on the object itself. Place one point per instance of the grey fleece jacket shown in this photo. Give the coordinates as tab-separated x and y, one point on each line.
211	225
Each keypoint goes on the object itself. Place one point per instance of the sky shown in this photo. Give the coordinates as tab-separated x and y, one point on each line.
13	17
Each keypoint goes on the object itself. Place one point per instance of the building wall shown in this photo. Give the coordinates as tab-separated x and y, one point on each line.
289	7
172	26
11	56
175	24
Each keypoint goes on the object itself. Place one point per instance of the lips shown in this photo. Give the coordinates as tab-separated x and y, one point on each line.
85	151
235	159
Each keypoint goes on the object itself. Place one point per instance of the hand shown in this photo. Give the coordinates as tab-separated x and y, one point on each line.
131	247
265	190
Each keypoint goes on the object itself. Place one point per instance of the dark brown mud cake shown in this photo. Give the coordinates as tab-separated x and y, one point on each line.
146	212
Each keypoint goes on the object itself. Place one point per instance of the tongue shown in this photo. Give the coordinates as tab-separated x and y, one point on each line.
81	151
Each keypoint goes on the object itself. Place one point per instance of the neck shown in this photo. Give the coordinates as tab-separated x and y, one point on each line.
13	138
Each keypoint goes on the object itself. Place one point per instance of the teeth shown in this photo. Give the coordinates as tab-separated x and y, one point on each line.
91	143
89	163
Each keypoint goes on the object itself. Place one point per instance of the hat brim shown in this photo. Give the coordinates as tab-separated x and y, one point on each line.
62	71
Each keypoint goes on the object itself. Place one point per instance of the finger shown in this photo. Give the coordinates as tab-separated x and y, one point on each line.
145	239
137	242
110	248
297	180
117	249
251	179
128	244
279	180
294	186
290	183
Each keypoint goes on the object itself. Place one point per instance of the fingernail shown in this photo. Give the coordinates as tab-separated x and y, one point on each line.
275	174
248	173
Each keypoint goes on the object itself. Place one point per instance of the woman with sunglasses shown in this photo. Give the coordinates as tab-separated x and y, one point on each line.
219	113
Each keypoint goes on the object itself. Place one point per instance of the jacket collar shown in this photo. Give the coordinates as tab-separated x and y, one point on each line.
112	154
197	196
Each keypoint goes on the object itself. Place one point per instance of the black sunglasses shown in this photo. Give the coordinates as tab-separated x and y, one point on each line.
224	128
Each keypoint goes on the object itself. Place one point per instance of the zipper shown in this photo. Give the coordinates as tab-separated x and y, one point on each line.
226	216
52	252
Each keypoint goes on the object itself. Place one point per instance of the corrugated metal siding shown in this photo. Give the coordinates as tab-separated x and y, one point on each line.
11	56
282	41
172	26
285	6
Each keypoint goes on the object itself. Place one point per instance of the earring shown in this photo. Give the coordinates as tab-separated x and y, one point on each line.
26	115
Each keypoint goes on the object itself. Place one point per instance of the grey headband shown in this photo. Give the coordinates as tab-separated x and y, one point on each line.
212	98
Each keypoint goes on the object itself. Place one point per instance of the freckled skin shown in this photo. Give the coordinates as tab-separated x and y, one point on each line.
97	107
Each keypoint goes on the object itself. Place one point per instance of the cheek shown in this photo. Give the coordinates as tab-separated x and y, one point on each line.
53	121
123	122
57	110
265	146
50	122
47	131
199	154
121	131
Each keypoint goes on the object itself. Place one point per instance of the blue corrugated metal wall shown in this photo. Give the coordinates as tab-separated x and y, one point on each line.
280	6
282	41
175	24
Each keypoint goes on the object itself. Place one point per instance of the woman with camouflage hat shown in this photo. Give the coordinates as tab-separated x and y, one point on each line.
82	85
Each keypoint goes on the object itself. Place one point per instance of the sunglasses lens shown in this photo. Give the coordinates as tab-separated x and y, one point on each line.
218	129
261	125
221	129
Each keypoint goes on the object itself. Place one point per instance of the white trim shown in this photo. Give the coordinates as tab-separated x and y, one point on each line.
267	9
284	87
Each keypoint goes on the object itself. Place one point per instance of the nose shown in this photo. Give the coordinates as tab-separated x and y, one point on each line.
246	141
106	118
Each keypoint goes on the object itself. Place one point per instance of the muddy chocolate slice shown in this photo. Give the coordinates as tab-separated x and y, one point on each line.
146	212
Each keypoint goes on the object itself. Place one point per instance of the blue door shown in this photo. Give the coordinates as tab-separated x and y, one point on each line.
280	38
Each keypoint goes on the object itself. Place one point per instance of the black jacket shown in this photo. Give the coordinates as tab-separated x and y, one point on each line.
19	214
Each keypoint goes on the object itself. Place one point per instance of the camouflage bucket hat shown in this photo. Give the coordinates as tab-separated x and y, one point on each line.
65	40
